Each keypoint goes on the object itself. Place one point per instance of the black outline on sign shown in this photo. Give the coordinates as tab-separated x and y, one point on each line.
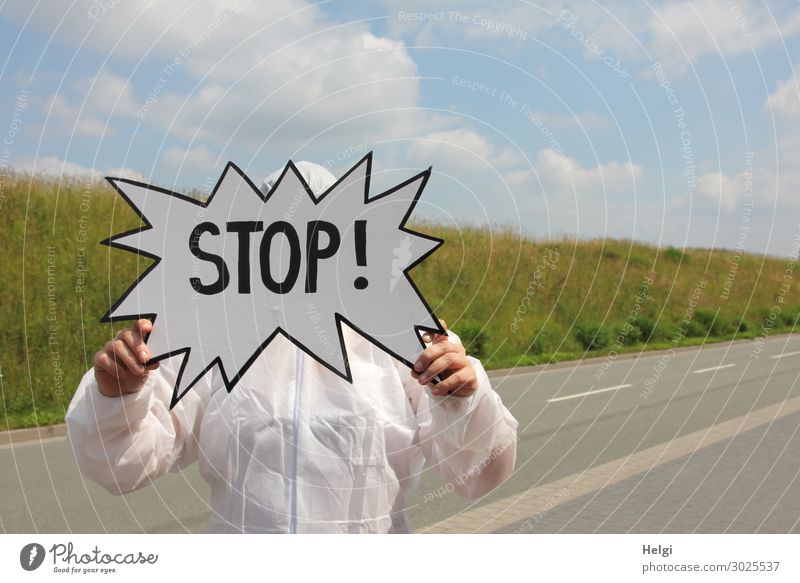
230	383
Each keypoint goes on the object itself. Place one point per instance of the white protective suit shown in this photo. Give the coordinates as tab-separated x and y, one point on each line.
293	447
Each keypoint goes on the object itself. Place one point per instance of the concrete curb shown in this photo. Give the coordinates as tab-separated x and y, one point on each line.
500	373
50	431
32	434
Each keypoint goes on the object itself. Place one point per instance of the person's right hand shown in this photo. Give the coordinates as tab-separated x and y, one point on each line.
119	365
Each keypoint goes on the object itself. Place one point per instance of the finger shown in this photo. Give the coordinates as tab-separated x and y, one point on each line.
416	375
124	355
452	384
105	362
143	352
429	337
143	327
135	341
437	367
441	337
431	353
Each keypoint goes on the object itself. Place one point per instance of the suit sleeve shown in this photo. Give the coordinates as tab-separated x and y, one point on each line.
470	441
123	443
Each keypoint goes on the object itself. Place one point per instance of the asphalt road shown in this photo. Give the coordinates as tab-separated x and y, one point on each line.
571	419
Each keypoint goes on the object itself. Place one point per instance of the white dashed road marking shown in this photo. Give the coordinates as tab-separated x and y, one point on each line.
517	507
720	367
785	354
575	396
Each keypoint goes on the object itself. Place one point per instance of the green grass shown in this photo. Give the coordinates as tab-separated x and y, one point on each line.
515	301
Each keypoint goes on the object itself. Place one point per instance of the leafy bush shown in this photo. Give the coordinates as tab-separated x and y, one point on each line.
627	333
646	327
592	336
543	341
664	332
714	326
696	329
705	317
675	254
724	326
789	316
474	338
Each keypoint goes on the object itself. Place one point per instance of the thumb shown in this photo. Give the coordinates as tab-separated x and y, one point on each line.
433	337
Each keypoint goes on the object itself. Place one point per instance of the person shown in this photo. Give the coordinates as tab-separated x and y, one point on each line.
293	447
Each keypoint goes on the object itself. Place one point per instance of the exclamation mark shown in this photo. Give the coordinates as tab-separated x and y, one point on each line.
361	252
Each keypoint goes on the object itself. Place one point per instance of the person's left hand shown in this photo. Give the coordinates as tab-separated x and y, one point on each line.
449	361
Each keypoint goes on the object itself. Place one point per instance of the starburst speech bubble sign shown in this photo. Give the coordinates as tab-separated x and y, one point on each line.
231	273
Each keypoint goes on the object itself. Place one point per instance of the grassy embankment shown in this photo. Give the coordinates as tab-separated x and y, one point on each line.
514	301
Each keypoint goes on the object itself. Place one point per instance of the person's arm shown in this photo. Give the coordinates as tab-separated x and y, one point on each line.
469	437
119	424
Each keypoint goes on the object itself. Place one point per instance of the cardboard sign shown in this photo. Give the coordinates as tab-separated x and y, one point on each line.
231	273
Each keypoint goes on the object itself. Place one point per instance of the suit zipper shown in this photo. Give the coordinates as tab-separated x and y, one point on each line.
298	376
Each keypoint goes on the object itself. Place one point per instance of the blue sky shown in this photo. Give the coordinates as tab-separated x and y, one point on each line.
669	122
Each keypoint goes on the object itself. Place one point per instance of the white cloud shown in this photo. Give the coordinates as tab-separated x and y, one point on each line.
675	32
107	94
561	176
586	121
279	72
506	22
727	192
54	167
126	173
709	26
588	200
349	85
98	98
462	150
195	161
67	118
786	98
781	185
